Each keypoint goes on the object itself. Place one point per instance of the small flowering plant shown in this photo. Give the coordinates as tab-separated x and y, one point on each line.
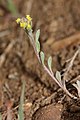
26	24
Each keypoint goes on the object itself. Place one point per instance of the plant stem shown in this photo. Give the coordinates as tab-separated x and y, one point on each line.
30	35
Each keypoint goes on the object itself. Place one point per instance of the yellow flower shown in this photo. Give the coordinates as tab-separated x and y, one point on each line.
28	27
28	17
18	20
23	24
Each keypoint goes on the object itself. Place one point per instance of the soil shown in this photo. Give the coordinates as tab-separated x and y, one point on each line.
59	22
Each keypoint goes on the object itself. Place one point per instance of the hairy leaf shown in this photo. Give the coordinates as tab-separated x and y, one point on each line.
78	83
37	35
75	85
50	62
42	57
38	46
58	76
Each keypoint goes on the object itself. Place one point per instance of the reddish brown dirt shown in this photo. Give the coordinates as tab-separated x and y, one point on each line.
59	22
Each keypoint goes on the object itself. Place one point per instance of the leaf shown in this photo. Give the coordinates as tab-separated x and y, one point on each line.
11	7
50	62
75	85
21	111
37	35
37	40
78	83
58	76
38	46
42	57
0	116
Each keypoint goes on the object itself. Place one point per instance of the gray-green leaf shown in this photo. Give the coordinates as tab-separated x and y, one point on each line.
0	116
78	83
38	46
58	76
21	110
37	34
50	62
11	7
75	85
42	57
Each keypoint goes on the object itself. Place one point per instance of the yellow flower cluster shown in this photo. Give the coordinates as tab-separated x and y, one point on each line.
18	20
25	22
28	18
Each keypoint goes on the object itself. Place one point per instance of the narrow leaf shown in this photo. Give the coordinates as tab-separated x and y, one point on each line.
38	46
50	62
21	111
11	7
42	57
58	76
0	116
37	34
78	83
75	85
